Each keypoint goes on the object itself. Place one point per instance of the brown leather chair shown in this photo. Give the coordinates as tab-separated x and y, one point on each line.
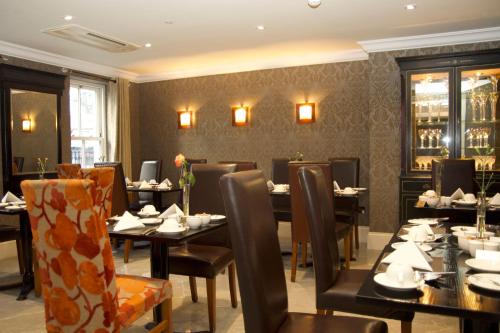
300	231
242	165
281	204
335	289
261	274
455	173
150	169
345	171
67	170
208	256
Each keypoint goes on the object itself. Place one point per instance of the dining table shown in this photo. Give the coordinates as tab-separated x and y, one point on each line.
458	213
451	295
160	244
157	193
27	251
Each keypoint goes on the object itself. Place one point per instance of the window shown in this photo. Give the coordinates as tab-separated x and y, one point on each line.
87	114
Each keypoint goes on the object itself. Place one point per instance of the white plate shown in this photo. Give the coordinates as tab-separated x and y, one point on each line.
464	203
483	280
359	188
423	221
436	237
482	265
351	194
172	231
279	191
14	208
381	279
4	204
463	228
217	217
148	214
151	220
423	247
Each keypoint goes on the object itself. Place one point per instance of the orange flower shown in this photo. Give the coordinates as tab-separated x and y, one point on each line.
90	279
64	309
179	160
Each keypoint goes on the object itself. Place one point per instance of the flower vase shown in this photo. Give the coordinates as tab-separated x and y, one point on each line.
186	189
481	214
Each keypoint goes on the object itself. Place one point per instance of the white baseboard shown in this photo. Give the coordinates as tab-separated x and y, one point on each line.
8	250
378	240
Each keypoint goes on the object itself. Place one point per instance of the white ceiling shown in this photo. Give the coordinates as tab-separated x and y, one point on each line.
222	34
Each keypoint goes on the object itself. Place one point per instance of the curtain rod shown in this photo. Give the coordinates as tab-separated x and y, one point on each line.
93	76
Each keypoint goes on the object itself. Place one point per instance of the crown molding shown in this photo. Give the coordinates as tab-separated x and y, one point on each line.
440	39
261	64
23	52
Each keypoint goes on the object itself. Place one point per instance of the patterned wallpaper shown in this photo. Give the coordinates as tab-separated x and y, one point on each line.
339	89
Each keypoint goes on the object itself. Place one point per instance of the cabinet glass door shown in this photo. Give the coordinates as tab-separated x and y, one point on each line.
479	114
430	118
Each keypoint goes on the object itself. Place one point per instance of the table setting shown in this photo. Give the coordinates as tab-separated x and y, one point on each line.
11	202
152	184
458	200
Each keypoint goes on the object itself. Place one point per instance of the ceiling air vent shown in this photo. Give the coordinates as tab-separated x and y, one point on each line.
82	35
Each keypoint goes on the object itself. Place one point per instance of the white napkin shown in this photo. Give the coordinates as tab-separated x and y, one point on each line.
409	253
145	185
336	186
167	182
458	194
270	185
495	200
174	209
164	186
128	221
9	197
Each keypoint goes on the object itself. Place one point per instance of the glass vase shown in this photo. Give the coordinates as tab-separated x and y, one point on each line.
186	189
481	214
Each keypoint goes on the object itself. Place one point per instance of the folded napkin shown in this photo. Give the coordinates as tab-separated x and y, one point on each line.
458	194
336	186
495	200
174	209
164	186
270	185
9	197
167	182
128	221
409	253
145	185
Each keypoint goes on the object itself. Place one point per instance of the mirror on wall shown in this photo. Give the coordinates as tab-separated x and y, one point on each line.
33	130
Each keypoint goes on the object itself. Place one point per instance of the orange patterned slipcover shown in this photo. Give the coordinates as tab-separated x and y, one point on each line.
67	170
81	291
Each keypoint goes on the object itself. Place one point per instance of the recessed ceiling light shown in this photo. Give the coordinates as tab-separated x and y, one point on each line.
147	45
410	6
260	27
314	3
68	18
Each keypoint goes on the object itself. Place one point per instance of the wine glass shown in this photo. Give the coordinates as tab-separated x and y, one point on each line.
422	133
432	134
483	99
493	104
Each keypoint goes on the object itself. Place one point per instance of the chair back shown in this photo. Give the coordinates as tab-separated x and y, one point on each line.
102	192
150	169
345	171
300	230
242	165
74	253
120	203
279	175
455	173
279	172
67	170
196	160
318	195
256	250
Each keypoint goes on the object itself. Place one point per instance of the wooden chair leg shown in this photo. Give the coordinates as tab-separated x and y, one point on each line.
295	249
165	326
356	235
347	252
351	243
211	303
20	256
304	253
232	285
194	290
126	252
405	326
36	275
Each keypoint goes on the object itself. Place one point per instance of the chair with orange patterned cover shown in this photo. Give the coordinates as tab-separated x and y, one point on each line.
81	289
67	170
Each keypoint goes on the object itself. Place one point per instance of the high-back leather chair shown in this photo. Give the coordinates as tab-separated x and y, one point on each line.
281	204
455	173
300	230
80	286
120	202
260	272
67	170
242	165
335	289
150	169
279	172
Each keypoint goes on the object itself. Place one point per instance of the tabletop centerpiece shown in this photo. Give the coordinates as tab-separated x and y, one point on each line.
41	165
186	181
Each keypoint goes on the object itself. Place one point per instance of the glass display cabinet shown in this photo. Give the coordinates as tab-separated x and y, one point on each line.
449	110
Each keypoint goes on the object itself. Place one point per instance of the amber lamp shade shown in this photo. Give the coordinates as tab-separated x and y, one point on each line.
184	119
305	113
240	115
26	125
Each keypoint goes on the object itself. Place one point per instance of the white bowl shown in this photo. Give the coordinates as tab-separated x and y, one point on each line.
432	201
422	198
194	222
205	218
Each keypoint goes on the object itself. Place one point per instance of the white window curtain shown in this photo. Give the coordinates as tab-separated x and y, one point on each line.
119	143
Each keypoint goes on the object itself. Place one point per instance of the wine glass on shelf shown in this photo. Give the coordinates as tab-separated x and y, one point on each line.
438	134
483	99
493	104
422	133
486	133
432	134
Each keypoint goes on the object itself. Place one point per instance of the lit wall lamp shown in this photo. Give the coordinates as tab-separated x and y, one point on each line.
184	119
305	113
26	125
240	115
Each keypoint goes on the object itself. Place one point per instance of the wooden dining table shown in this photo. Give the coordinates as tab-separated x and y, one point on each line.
451	295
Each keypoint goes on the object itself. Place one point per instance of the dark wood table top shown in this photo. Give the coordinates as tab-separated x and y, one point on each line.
450	295
154	190
4	211
337	194
457	208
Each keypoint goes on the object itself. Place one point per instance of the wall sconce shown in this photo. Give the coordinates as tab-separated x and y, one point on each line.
305	113
184	119
26	125
240	115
